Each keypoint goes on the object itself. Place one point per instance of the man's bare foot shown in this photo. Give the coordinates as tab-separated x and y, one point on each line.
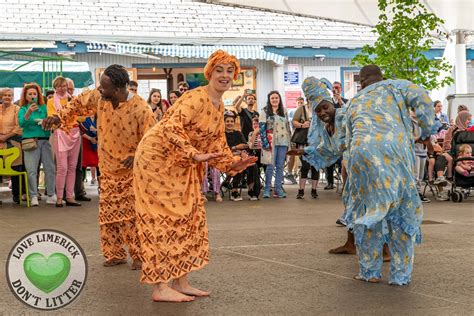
371	280
185	288
114	262
386	253
163	293
136	265
344	250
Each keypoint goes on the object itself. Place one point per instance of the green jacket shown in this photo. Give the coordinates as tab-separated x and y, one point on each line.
30	127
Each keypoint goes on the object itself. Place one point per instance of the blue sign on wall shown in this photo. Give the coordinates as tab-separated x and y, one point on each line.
292	77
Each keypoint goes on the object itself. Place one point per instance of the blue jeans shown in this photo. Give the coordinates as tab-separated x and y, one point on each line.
279	158
43	153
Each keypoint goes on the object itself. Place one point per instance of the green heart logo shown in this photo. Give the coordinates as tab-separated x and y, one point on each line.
49	273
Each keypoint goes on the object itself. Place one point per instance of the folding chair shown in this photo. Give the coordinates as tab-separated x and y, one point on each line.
7	157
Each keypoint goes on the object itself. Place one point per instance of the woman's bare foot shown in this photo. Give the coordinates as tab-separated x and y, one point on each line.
344	250
163	293
114	262
182	285
136	265
371	280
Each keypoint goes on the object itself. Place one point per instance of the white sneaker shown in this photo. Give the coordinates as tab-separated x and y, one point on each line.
442	197
34	201
253	198
51	200
440	180
235	197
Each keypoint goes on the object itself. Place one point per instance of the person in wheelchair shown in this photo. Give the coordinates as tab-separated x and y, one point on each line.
238	145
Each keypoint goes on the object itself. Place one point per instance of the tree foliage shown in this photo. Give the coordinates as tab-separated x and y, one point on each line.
405	31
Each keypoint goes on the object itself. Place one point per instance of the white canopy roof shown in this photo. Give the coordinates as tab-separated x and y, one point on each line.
458	14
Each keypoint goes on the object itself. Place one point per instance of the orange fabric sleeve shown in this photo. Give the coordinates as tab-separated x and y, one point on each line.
148	121
84	104
176	128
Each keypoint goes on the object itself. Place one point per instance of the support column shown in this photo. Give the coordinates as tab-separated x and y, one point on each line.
278	79
460	63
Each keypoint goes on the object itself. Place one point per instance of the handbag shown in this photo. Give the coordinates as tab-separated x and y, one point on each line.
266	157
29	144
300	135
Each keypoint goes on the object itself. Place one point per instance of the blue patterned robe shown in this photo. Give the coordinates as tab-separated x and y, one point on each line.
374	133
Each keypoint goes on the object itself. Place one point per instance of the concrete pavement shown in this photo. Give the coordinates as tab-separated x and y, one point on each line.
267	257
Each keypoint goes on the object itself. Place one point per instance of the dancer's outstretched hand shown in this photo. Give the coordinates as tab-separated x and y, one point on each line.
295	152
51	122
207	157
239	166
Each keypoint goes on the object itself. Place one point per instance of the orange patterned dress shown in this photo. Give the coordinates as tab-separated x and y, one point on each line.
171	218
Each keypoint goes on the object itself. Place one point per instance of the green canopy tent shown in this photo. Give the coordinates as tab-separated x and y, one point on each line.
18	68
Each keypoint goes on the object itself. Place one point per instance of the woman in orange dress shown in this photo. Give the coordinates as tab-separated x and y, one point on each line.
168	172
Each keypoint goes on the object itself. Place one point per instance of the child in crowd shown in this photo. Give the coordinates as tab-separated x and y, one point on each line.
465	167
421	153
216	183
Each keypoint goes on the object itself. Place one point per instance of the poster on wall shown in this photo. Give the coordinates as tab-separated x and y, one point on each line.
195	80
290	98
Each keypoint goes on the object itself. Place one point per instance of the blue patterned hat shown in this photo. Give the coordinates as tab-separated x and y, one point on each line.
316	90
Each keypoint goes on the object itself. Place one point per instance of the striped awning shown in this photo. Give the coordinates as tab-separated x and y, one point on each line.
187	51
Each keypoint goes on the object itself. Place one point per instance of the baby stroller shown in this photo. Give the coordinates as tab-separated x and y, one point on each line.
462	185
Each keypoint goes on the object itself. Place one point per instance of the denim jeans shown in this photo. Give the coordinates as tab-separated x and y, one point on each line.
43	153
279	158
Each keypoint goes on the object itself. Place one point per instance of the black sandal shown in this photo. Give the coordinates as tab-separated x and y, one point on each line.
72	203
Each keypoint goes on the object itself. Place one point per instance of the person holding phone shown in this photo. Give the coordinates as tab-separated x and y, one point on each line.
246	114
337	98
35	142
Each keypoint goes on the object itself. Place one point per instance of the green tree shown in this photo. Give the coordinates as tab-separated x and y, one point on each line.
405	31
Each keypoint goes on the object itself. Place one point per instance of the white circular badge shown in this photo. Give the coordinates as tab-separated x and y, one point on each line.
46	269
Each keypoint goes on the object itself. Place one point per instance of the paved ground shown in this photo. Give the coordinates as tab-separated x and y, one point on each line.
268	257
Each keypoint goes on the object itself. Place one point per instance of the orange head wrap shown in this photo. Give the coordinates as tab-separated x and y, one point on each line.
220	57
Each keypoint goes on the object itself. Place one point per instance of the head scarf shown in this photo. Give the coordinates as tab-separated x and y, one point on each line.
220	57
462	107
461	119
316	90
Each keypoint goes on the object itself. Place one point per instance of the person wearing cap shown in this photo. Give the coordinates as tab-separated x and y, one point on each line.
380	196
169	169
